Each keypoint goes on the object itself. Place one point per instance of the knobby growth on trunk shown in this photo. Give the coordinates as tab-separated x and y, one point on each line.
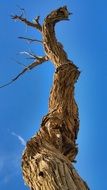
47	161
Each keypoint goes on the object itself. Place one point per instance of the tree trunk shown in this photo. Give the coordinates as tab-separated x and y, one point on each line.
48	157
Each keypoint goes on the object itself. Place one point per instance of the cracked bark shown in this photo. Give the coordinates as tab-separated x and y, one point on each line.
47	161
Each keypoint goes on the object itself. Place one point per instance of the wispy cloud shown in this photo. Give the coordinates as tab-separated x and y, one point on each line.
22	141
10	162
9	167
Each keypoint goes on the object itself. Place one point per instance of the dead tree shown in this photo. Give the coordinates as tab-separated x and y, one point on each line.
47	161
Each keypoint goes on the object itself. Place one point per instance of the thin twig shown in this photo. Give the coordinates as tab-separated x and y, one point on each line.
28	54
28	68
31	55
30	40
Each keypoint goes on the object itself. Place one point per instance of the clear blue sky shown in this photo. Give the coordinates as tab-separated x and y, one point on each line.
23	103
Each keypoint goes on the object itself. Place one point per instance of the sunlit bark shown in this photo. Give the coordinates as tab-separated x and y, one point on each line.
48	157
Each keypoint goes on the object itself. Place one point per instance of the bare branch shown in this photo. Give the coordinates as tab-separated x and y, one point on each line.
30	40
28	68
35	24
31	55
28	54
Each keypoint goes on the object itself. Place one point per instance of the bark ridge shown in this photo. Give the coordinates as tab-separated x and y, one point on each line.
49	154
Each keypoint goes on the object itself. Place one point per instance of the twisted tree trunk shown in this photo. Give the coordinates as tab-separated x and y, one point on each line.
47	159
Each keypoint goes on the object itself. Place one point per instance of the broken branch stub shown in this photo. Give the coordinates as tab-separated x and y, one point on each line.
48	156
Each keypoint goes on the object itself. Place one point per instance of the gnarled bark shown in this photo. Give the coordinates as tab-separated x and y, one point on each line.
47	159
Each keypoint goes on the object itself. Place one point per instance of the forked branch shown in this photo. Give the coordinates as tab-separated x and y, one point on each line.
36	24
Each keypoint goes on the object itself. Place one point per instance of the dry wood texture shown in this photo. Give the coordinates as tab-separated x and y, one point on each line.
48	156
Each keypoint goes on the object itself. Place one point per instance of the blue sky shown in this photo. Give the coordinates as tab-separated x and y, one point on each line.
24	103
